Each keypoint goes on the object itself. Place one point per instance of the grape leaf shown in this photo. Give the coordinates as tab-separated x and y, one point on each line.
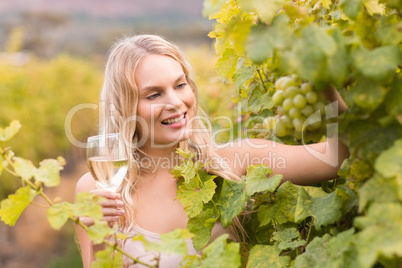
220	253
107	258
282	208
368	94
257	181
262	39
228	10
389	162
351	8
10	131
388	32
373	7
259	101
338	64
288	238
87	205
232	201
265	9
1	164
318	39
171	243
325	209
24	168
326	3
202	224
98	232
259	44
58	214
266	256
226	65
378	189
49	171
393	99
381	233
338	251
196	193
241	76
185	170
12	207
378	63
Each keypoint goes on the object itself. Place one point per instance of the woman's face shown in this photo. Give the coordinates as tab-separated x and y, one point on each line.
165	102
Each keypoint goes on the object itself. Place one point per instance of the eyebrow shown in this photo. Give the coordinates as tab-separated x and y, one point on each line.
147	89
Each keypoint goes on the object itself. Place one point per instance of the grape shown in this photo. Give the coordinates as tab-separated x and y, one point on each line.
269	122
291	91
313	126
292	81
306	87
297	134
287	104
299	101
278	97
319	106
281	129
294	112
286	121
279	82
311	97
298	124
296	101
307	110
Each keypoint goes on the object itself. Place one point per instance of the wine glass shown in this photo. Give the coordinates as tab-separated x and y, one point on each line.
107	160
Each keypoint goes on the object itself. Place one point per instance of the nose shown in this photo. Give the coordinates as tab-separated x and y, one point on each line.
173	100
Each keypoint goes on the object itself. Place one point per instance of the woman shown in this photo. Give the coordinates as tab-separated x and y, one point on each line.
149	97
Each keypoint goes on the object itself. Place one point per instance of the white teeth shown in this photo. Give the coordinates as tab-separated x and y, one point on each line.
174	120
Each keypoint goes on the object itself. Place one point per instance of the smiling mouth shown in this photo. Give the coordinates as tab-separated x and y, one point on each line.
174	120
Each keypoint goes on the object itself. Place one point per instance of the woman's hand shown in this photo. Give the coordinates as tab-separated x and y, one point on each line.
332	95
112	207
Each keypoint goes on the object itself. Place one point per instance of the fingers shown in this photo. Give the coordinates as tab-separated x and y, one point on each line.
106	194
112	206
87	221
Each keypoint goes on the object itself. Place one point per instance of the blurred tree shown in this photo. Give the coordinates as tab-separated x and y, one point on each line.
43	35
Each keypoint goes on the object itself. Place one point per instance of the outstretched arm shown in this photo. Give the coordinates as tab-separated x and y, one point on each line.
301	164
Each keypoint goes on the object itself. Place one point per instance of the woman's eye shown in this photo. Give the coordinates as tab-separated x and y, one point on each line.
182	85
153	96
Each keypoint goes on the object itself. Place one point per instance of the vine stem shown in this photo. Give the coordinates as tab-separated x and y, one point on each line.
27	181
309	229
262	80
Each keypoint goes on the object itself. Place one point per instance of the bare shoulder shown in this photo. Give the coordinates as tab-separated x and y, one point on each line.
85	184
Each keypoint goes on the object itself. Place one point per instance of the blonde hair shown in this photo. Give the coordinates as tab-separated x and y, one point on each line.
120	98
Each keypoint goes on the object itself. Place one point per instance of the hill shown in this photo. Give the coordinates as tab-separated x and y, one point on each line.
89	27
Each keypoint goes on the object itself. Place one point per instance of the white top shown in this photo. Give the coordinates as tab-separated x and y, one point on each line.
137	250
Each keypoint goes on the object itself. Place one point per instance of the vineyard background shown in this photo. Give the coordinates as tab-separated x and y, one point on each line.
352	221
51	59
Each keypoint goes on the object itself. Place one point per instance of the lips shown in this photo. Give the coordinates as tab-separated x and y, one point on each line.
175	120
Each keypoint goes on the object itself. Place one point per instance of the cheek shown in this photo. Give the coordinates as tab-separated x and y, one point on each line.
190	100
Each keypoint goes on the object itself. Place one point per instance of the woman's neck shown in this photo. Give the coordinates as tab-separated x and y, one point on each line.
153	160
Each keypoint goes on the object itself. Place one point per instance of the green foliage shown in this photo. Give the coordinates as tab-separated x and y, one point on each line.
172	243
41	93
12	207
352	221
357	47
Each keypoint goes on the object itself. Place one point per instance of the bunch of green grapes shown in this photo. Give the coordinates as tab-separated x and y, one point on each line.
296	102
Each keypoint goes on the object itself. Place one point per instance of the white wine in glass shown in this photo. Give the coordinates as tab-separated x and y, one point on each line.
107	160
